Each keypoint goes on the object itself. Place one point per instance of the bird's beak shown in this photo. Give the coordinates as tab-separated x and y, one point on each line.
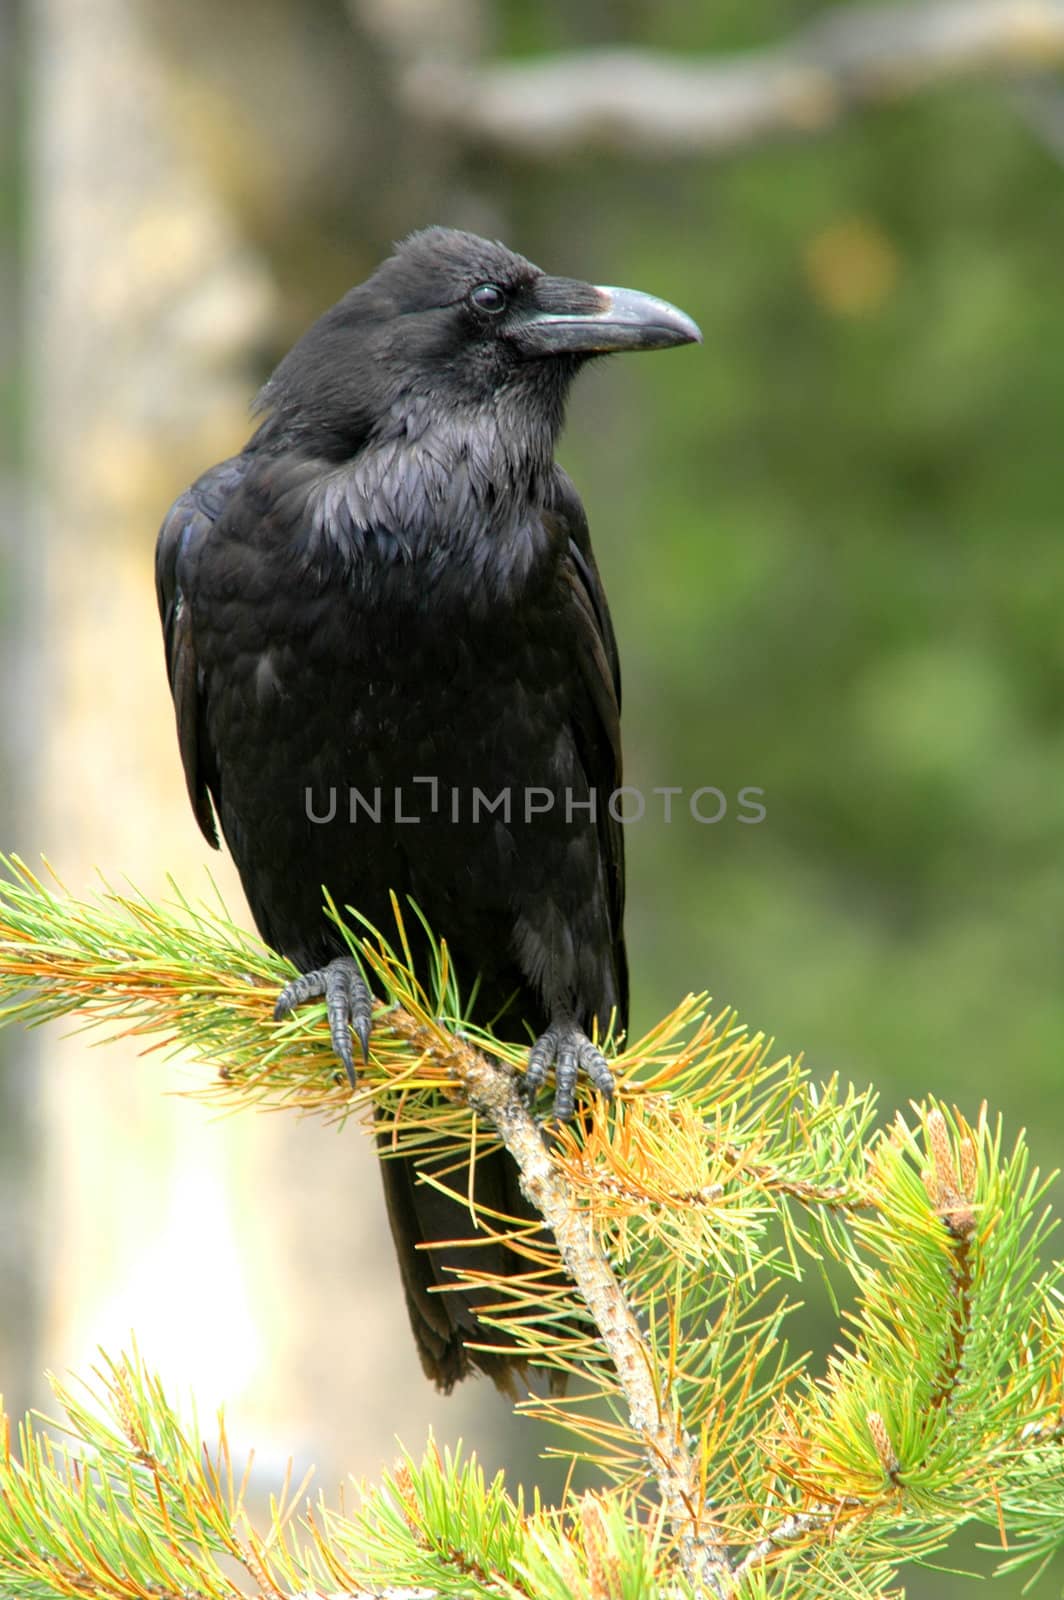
588	319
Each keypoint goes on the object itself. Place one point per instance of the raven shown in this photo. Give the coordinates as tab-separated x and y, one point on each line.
393	669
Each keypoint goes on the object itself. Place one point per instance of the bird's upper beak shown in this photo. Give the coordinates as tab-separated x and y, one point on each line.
574	318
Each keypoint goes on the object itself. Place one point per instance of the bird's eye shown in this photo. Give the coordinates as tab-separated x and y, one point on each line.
489	297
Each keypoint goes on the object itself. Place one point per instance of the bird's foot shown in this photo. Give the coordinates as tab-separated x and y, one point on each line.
567	1048
348	1003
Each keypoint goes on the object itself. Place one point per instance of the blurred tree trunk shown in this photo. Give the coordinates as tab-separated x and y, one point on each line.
20	1151
182	163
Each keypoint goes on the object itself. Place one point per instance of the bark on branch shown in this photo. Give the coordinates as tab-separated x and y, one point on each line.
641	103
494	1095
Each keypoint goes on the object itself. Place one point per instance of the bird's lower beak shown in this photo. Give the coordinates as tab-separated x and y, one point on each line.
601	319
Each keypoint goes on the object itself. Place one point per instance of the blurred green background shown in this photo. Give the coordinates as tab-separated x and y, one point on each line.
831	536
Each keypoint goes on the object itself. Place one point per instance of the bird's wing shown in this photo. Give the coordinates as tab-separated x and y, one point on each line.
570	507
597	710
190	520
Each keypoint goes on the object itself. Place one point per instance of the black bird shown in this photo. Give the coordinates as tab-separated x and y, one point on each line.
385	607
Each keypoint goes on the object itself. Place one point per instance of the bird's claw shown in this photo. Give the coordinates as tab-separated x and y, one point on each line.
348	1005
568	1049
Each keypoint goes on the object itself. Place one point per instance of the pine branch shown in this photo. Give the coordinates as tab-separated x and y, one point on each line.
654	1417
645	104
718	1171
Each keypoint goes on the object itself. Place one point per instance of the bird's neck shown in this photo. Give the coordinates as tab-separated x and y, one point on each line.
466	486
502	454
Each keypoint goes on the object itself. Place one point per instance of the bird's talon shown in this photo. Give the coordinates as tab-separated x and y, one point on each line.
348	1005
572	1054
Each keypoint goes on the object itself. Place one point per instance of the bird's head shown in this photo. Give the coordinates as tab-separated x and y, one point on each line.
452	323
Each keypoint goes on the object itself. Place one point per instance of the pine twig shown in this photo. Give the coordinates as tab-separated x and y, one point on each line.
788	1534
494	1095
